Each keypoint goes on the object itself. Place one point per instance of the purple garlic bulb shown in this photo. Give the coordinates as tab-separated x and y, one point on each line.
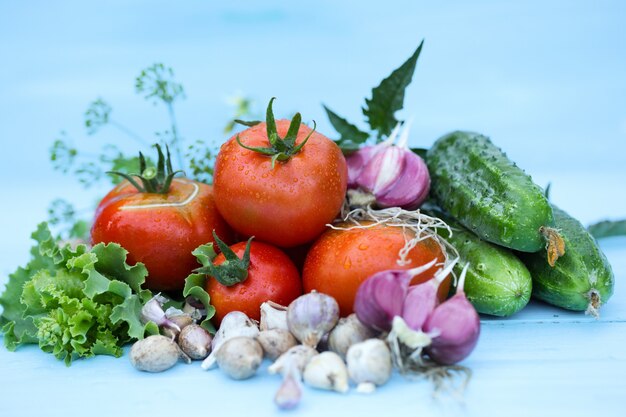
381	296
391	172
421	299
454	326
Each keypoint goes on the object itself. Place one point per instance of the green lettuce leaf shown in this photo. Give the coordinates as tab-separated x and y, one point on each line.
75	303
195	284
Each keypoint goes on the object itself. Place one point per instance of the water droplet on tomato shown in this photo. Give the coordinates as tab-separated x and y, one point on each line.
363	246
347	263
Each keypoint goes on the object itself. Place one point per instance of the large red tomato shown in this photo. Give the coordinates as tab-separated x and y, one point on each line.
160	229
340	260
280	193
271	275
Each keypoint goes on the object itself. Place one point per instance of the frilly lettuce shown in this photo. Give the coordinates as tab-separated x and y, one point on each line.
195	284
75	302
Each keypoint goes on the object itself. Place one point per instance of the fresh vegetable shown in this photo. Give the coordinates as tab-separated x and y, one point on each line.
455	327
343	257
240	357
275	342
582	279
497	282
311	316
327	371
155	353
291	365
280	181
388	174
273	316
369	364
380	297
477	184
160	221
348	331
234	324
245	275
421	299
75	302
195	341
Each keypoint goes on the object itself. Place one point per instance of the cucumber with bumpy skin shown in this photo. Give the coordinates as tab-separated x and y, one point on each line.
582	279
497	282
477	184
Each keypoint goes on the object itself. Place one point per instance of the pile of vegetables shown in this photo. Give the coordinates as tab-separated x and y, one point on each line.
350	248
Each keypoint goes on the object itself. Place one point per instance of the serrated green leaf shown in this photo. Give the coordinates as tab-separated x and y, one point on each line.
388	97
608	228
195	287
351	136
75	303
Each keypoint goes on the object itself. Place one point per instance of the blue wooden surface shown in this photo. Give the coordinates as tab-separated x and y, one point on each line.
544	79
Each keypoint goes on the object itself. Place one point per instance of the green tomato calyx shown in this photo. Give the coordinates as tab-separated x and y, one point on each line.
280	149
233	270
153	179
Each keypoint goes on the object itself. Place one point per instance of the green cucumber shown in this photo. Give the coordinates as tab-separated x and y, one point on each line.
477	184
582	279
497	282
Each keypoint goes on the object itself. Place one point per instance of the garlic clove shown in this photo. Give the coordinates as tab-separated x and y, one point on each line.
275	342
369	362
348	331
154	354
311	316
240	357
195	341
327	371
234	324
153	311
273	316
289	394
293	361
456	325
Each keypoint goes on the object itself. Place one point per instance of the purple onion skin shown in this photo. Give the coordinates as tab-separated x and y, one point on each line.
380	298
419	303
459	326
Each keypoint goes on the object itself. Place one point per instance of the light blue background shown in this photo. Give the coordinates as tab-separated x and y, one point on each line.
545	79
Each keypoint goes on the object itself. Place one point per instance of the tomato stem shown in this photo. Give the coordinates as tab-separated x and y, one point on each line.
280	149
153	180
233	270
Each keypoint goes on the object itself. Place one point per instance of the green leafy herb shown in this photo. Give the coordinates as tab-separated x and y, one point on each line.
388	97
243	108
200	159
75	302
380	110
608	228
351	136
97	115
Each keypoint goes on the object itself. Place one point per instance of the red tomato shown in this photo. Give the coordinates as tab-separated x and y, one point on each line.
160	230
340	260
271	276
289	204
